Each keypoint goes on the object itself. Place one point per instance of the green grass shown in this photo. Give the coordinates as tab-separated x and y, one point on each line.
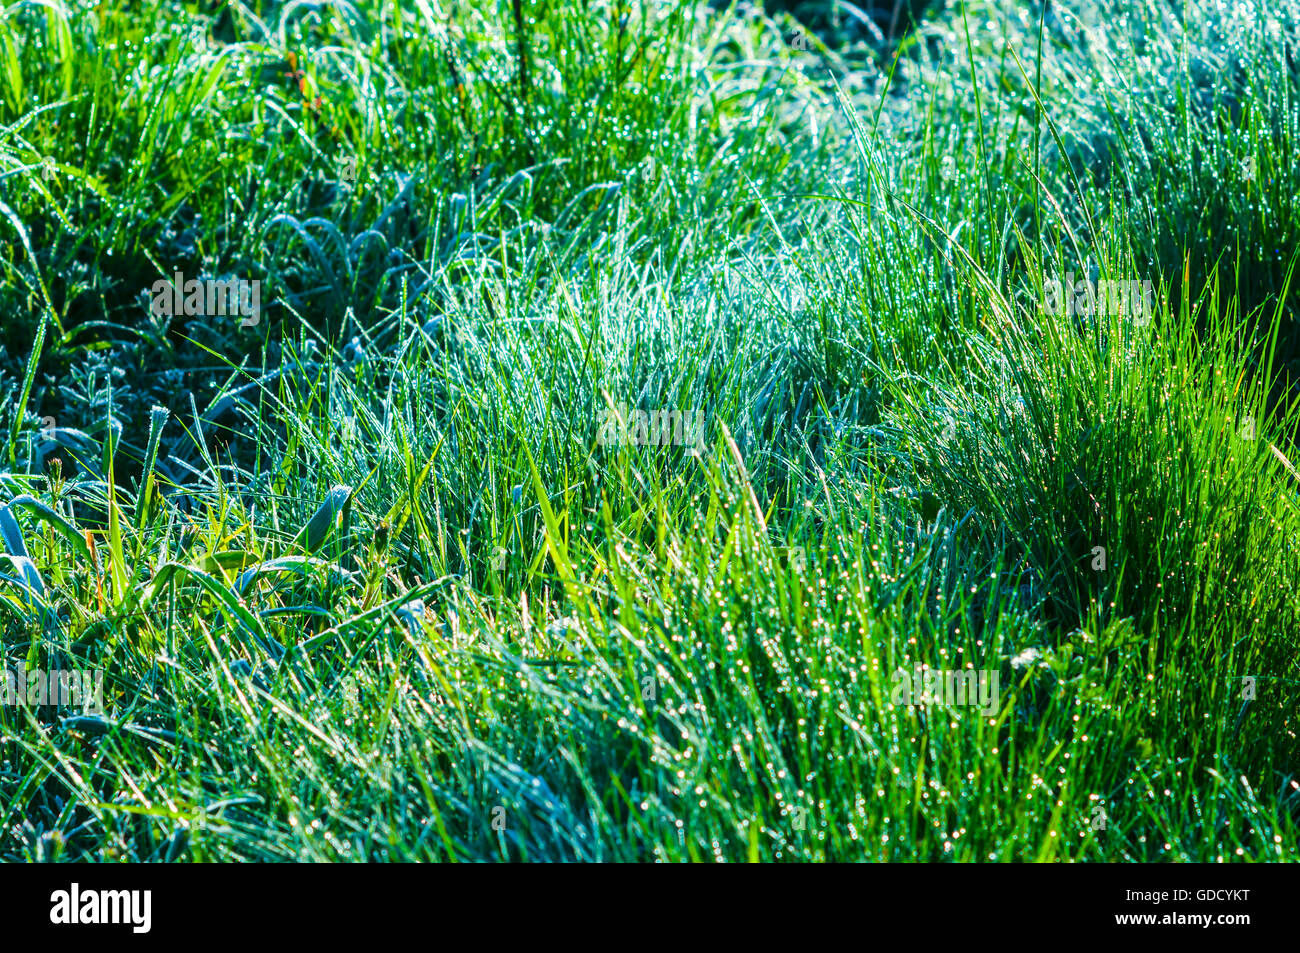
364	580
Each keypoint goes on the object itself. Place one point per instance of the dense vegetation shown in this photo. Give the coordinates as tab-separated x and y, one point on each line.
395	569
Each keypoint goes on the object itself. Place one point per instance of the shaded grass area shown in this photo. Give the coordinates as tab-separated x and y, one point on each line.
489	236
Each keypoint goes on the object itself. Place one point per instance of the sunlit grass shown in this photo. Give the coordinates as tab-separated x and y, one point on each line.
367	582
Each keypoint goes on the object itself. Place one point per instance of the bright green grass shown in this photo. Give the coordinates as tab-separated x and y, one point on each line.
505	640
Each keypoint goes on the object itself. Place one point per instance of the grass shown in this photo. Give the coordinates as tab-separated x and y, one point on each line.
365	580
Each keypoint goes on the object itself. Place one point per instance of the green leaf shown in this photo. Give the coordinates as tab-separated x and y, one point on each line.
323	522
60	525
